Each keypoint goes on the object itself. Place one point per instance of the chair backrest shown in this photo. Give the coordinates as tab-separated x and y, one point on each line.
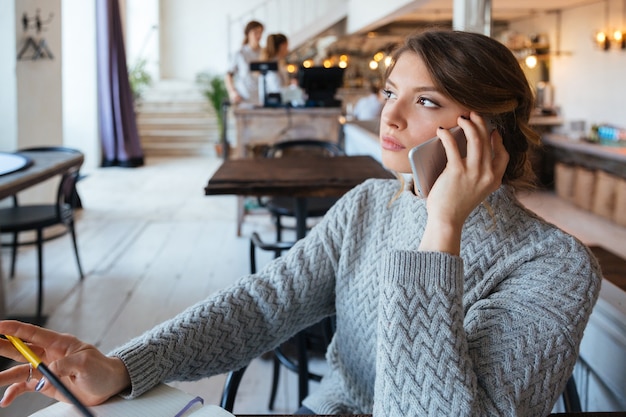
300	146
65	195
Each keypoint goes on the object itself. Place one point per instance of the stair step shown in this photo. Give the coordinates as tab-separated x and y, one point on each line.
178	123
197	136
178	149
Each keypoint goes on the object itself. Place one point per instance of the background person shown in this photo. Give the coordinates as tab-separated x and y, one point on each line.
370	106
276	50
241	83
463	303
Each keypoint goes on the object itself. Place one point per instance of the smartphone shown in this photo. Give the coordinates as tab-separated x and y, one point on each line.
428	160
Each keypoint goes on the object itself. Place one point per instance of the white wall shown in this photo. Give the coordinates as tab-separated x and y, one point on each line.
39	103
194	36
80	89
589	83
8	86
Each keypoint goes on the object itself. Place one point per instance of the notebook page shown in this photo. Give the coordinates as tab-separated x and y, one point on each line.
161	401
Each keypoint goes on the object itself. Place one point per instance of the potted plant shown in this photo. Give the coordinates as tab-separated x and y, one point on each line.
214	89
139	78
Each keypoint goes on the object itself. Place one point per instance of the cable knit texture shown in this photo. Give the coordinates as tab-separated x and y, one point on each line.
493	332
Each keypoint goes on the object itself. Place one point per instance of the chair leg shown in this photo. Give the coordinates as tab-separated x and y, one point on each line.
252	257
303	369
279	229
73	232
230	389
39	274
571	401
275	379
14	253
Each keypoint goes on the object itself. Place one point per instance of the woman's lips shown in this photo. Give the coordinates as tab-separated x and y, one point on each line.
390	143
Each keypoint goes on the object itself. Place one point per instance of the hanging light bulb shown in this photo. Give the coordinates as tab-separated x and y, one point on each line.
531	61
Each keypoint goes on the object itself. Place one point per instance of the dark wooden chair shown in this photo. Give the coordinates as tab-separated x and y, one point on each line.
280	207
37	217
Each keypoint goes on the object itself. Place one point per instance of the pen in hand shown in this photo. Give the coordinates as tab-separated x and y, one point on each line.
41	367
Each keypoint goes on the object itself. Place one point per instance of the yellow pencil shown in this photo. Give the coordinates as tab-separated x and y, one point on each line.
37	364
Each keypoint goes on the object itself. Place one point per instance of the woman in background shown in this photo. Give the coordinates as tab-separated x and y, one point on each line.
241	83
276	50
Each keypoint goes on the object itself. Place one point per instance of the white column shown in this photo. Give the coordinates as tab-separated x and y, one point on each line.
472	16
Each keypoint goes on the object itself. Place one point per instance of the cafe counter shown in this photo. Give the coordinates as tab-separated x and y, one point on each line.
267	125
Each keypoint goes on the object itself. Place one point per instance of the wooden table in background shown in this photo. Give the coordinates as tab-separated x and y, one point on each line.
298	177
45	165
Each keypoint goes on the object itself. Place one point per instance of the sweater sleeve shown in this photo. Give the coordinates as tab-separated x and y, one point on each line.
510	353
227	330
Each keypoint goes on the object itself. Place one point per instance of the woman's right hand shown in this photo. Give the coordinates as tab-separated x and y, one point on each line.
91	376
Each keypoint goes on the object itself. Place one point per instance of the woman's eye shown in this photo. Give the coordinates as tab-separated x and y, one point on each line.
426	102
387	94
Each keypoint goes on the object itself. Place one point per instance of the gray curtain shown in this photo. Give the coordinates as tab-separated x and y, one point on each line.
118	128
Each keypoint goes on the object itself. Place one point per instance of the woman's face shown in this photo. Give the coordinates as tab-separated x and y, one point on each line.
283	50
413	111
254	37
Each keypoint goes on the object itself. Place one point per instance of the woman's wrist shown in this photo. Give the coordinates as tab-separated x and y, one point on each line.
441	237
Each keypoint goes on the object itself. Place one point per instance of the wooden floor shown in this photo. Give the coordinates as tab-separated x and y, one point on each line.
152	244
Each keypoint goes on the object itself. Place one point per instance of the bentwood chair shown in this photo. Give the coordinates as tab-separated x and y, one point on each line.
294	353
280	207
24	218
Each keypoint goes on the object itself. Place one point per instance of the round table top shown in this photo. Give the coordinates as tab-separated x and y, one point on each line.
11	162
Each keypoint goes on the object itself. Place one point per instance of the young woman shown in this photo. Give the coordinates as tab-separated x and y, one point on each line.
462	304
241	83
276	50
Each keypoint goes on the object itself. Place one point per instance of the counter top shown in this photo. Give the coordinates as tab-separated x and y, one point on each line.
269	111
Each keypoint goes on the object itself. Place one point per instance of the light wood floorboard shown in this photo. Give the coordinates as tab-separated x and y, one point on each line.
152	243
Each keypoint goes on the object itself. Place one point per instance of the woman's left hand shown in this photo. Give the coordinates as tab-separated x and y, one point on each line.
464	183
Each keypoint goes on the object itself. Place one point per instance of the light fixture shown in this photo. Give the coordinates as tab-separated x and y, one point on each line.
602	38
307	63
531	61
373	65
603	41
619	36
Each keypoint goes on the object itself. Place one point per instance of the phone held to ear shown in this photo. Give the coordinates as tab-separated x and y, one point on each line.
428	160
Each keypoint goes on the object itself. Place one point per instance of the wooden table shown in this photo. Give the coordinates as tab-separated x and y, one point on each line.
298	177
45	165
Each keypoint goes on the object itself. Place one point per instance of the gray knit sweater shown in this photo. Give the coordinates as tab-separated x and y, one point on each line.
493	332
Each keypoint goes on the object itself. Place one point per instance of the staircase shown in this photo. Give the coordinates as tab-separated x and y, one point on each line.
174	119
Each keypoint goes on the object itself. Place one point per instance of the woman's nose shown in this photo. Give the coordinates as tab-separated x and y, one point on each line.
392	116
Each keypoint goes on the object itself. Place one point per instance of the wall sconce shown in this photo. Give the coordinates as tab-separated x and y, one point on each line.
603	41
620	39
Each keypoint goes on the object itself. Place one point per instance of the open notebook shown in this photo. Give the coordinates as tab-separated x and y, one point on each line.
161	401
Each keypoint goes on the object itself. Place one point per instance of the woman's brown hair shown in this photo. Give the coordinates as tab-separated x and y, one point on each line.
272	45
484	76
250	26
